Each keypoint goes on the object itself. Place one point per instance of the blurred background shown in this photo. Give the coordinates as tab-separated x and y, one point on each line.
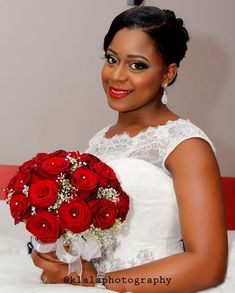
51	55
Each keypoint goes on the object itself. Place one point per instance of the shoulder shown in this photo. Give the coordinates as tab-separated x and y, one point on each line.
191	159
191	155
192	163
181	131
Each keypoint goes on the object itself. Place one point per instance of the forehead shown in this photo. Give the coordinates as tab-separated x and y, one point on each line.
133	41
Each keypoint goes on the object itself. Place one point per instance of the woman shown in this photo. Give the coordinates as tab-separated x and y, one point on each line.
143	49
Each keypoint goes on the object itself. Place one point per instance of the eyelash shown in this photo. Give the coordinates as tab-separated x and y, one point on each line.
140	65
108	57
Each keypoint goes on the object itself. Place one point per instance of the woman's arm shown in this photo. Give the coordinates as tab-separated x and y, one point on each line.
197	185
203	265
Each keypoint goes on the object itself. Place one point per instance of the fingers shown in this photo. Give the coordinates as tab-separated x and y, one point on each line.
51	256
45	264
44	278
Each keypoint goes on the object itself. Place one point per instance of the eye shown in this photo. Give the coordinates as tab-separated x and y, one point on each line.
138	66
110	59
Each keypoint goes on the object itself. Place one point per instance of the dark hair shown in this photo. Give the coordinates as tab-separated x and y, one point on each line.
167	32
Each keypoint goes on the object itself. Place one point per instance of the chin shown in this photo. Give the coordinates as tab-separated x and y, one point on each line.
116	108
119	107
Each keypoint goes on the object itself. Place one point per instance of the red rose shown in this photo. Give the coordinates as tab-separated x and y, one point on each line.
11	184
84	194
84	179
75	215
43	193
18	206
107	177
104	213
28	166
89	159
44	226
91	203
21	180
35	177
55	165
122	203
43	156
51	167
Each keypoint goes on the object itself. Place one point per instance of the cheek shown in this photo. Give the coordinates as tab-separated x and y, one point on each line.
104	75
149	81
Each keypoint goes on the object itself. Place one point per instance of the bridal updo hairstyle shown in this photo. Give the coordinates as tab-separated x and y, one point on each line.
167	32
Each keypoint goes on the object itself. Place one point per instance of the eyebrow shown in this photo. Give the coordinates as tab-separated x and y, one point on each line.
130	55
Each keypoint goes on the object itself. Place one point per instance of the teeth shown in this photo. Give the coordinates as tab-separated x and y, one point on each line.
119	92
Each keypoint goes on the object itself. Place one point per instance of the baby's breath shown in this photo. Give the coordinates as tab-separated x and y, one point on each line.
108	193
26	190
103	236
74	163
116	226
9	195
69	236
33	211
66	193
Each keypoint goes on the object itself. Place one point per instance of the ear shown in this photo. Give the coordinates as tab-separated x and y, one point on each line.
169	74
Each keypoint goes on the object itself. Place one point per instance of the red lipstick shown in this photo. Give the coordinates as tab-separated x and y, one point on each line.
118	93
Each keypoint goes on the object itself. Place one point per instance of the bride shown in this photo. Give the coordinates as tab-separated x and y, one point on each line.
175	236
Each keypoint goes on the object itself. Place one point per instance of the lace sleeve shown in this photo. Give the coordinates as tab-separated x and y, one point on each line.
180	132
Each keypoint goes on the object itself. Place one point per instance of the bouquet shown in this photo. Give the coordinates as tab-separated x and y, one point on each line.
71	203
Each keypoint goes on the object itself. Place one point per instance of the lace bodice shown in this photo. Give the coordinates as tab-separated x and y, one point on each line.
152	228
153	144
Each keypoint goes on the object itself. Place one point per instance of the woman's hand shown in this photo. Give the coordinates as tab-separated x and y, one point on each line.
55	271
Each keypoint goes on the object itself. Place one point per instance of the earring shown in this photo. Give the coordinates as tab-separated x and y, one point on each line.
164	99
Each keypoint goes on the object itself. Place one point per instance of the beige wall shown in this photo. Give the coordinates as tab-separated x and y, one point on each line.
50	59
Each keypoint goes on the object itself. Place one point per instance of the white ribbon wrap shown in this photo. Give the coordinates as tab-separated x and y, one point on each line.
78	249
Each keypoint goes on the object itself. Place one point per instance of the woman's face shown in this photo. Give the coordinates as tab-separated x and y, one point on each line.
134	71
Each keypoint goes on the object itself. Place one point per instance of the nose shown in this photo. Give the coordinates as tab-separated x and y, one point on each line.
119	73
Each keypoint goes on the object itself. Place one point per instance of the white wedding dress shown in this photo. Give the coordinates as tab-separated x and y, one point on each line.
152	228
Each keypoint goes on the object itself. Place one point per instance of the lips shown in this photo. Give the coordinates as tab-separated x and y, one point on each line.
118	93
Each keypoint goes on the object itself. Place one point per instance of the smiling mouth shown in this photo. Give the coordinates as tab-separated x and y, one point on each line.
118	93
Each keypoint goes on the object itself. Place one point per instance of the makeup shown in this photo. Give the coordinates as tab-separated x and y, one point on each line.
118	93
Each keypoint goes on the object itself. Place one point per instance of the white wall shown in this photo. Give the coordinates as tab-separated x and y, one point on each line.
50	60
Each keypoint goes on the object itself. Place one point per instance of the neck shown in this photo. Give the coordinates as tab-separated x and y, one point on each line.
145	117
